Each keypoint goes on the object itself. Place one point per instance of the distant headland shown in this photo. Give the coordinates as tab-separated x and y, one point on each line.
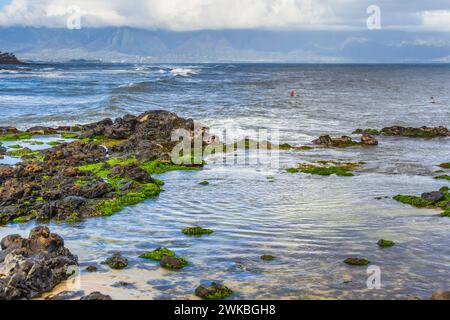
9	58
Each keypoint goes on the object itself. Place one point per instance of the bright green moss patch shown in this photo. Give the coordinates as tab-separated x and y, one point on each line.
97	169
197	231
18	153
204	183
15	136
446	213
69	135
386	243
443	177
15	146
413	200
21	220
54	143
158	254
357	261
160	167
36	143
328	168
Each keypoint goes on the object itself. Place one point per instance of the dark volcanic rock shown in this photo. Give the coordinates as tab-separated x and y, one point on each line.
32	266
97	296
73	181
434	197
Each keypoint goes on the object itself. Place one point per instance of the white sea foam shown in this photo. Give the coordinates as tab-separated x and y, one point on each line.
183	72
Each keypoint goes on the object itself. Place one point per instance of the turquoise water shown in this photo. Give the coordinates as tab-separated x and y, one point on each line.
310	223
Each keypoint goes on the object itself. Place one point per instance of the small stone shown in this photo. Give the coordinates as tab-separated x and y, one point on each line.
267	257
357	261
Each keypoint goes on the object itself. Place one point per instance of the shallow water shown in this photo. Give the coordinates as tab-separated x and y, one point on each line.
310	223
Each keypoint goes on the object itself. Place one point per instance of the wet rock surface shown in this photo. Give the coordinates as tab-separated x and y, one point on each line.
29	267
422	132
96	296
107	168
9	58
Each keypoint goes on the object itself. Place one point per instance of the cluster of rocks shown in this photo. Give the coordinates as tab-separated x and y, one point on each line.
73	180
345	141
422	132
9	58
29	267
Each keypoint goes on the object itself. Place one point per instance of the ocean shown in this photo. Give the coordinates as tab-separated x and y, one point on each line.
310	223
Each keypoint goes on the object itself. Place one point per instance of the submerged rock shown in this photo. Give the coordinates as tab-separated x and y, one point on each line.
386	243
29	267
267	257
9	58
368	140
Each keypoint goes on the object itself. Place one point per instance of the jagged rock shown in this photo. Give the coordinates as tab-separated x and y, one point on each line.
97	296
32	266
117	261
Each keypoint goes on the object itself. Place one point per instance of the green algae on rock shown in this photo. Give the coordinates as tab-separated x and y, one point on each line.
117	262
373	132
357	261
386	243
84	178
204	183
443	177
267	257
197	231
173	263
214	291
328	168
158	254
432	200
445	165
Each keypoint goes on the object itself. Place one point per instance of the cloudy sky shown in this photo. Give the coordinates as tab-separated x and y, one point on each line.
188	15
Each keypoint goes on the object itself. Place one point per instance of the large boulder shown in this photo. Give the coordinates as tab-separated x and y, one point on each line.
434	197
29	267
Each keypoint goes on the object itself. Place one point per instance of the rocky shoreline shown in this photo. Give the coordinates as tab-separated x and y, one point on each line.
108	167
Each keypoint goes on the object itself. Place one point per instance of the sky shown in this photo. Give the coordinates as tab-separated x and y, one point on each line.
188	15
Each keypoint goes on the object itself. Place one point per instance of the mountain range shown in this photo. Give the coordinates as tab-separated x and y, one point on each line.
131	44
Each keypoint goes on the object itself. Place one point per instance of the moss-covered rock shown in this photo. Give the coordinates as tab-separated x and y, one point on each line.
117	261
357	261
214	291
158	254
386	243
443	177
267	257
433	200
445	165
204	183
413	200
197	231
173	263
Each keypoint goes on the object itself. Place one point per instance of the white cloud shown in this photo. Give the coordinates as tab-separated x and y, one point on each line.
178	14
438	20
